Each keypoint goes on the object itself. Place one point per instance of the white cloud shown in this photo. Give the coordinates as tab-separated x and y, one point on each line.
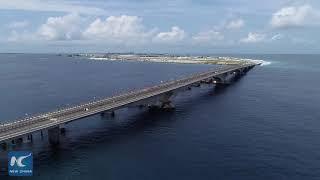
294	16
118	29
253	38
18	24
276	37
22	36
61	28
302	41
114	30
19	37
54	6
175	35
208	36
235	24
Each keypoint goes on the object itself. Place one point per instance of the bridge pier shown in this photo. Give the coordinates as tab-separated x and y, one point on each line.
167	105
219	80
41	134
30	137
26	139
162	101
54	135
165	100
4	146
196	84
62	128
19	140
227	78
112	113
209	81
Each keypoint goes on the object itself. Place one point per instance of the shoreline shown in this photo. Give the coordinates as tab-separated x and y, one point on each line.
174	59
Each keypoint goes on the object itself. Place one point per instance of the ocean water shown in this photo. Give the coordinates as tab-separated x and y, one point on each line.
264	126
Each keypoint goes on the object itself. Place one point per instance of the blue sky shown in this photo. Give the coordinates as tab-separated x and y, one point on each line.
167	26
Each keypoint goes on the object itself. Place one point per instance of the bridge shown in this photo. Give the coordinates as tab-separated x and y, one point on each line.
159	96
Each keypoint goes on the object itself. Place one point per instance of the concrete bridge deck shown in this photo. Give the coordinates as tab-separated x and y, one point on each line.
24	127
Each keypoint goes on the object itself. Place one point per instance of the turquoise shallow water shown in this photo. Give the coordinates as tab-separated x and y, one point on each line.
264	126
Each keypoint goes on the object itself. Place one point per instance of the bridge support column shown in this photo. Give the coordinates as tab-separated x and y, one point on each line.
26	139
165	101
41	134
29	137
225	78
54	135
19	140
103	114
196	84
209	81
62	128
4	145
219	80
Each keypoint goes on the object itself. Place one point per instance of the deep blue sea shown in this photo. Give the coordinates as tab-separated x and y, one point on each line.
264	126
